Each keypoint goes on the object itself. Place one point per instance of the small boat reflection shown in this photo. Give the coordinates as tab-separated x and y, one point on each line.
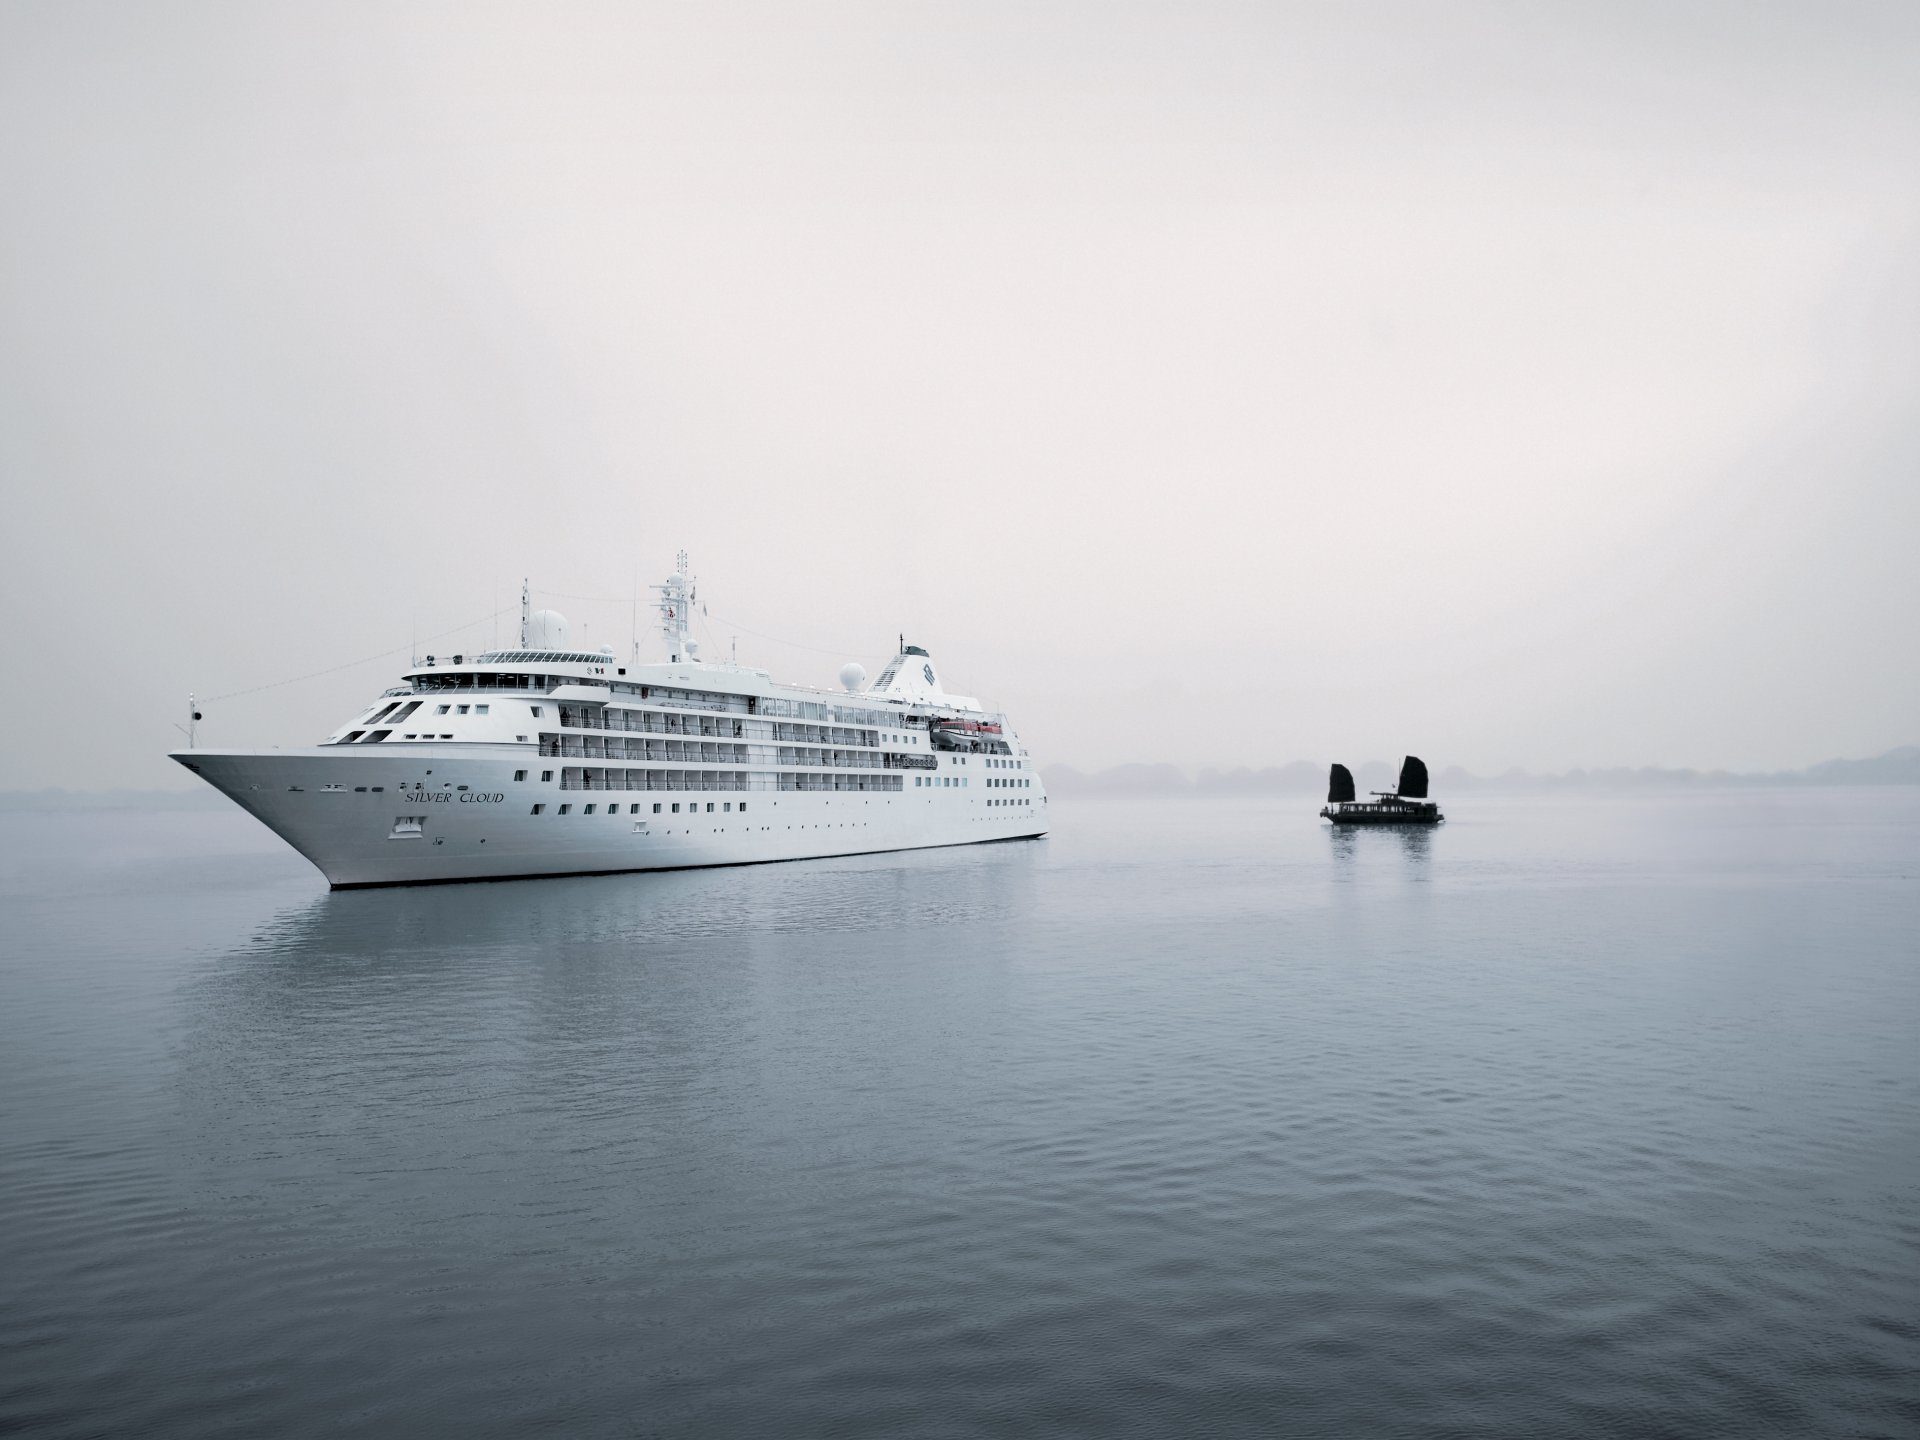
1413	842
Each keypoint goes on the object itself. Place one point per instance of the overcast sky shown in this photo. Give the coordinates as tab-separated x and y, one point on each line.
1514	384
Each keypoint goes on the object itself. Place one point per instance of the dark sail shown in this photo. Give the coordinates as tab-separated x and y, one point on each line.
1339	784
1413	778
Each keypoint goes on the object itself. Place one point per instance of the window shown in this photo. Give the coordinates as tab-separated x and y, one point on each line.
519	775
725	808
656	808
546	777
536	712
442	710
743	807
588	810
632	809
479	709
443	737
351	736
463	709
539	809
676	809
565	808
709	807
409	736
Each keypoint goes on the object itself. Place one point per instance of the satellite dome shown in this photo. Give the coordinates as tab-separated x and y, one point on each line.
853	675
547	630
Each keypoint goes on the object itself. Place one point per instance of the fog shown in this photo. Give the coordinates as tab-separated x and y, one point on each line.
1515	384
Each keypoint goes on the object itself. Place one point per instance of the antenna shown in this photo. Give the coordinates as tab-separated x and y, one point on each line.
676	614
193	720
526	613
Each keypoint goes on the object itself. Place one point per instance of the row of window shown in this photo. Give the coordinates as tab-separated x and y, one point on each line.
815	782
666	695
661	722
583	778
701	752
693	808
1018	782
594	778
577	717
690	751
941	782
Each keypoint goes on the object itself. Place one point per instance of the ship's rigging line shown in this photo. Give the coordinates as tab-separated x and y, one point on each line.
716	619
490	615
334	669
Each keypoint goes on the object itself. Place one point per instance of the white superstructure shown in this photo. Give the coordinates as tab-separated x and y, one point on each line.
543	760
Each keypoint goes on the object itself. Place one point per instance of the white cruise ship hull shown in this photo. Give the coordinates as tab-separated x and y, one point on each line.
440	813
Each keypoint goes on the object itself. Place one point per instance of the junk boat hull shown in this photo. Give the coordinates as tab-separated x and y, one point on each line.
1365	814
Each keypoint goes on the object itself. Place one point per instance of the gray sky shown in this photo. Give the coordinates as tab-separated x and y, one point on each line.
1517	384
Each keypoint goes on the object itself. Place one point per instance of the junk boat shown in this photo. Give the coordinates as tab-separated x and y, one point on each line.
1406	805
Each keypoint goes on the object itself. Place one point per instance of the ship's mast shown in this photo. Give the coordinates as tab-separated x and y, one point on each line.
676	618
526	613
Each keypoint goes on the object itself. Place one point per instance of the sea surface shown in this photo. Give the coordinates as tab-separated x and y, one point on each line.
1572	1118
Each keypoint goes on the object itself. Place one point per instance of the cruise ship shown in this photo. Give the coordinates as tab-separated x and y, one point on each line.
545	760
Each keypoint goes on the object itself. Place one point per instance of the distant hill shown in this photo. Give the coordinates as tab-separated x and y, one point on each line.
1304	777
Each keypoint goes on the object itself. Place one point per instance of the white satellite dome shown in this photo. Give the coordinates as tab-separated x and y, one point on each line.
853	675
547	630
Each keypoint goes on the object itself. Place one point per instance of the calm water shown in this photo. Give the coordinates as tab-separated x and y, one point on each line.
1193	1119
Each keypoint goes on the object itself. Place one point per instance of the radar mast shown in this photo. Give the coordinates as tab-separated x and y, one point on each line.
676	613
